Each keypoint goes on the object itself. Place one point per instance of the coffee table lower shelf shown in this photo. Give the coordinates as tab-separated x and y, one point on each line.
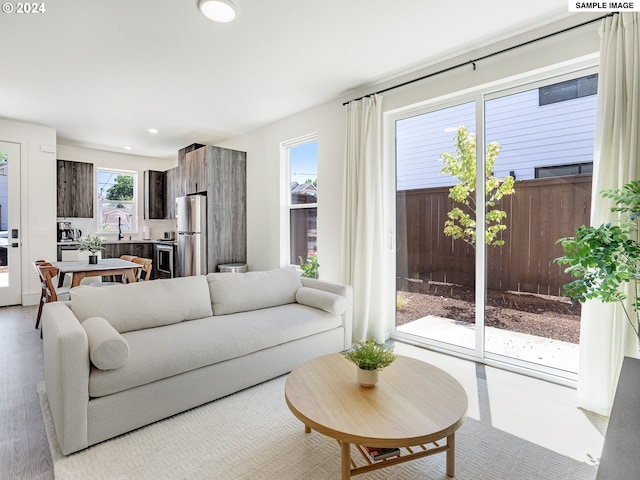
351	467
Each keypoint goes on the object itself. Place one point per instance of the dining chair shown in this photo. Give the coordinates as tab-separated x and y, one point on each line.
147	264
49	291
122	278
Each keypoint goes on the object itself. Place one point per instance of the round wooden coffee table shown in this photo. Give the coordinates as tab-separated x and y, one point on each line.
415	406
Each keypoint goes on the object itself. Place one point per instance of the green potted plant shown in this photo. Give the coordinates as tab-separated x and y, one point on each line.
605	258
370	358
92	244
310	266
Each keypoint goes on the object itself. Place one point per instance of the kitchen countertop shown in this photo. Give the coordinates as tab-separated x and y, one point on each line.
125	241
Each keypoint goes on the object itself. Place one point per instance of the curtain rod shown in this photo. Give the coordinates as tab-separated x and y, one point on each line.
484	57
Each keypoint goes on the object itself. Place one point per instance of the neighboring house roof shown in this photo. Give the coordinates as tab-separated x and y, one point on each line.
303	189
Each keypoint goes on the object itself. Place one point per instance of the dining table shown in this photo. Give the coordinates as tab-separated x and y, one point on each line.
80	269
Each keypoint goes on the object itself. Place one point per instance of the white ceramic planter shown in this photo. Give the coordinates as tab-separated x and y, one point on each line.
367	378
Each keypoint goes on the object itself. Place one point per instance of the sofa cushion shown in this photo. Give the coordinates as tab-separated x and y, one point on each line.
327	301
143	305
158	353
242	292
108	350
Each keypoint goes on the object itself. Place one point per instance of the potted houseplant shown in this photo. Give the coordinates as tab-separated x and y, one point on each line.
92	244
603	259
370	359
310	266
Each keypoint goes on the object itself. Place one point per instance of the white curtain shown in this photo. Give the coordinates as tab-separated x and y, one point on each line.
363	239
606	336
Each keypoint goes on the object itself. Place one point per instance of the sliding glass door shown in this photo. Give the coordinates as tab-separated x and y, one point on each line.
484	189
435	274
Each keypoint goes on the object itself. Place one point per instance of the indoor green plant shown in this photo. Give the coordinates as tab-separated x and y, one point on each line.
310	266
92	244
370	359
603	259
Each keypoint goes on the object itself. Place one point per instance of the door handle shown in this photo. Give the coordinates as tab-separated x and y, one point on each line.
14	236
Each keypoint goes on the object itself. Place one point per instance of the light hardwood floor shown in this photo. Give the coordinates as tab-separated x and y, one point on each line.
24	452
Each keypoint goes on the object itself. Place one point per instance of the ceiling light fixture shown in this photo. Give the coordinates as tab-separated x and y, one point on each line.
222	11
152	131
128	147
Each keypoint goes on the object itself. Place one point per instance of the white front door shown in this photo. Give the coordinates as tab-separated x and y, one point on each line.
10	267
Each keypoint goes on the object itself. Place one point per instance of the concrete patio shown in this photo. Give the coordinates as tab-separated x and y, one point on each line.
530	348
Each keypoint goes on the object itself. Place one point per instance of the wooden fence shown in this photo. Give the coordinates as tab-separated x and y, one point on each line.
538	213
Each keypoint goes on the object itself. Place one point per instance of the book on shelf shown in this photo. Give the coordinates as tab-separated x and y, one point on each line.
377	453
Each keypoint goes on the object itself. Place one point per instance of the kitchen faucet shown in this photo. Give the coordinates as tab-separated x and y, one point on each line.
120	235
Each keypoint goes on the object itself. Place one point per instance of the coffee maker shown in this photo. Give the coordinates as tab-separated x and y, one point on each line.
68	234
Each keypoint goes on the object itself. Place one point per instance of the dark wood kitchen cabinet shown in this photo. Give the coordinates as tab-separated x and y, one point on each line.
195	172
154	195
137	249
226	207
75	189
171	192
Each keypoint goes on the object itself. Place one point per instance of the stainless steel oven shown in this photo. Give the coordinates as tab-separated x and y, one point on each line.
164	260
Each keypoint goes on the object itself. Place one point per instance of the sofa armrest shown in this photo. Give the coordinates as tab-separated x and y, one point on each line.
66	369
339	289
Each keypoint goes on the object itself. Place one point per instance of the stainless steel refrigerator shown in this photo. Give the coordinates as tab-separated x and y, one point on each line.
191	215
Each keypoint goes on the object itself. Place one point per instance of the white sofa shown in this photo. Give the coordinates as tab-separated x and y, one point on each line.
120	357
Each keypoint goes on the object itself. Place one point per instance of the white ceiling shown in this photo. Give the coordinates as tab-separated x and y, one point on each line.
102	72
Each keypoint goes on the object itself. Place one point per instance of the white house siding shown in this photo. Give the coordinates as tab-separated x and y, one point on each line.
530	136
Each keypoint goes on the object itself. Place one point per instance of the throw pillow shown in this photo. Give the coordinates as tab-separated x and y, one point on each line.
242	292
108	349
327	301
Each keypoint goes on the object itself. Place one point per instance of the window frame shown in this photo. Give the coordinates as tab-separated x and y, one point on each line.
135	221
286	204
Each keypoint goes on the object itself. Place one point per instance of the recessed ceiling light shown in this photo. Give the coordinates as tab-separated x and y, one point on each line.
221	11
152	131
128	147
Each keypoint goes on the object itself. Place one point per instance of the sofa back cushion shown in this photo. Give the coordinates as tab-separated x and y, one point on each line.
141	305
242	292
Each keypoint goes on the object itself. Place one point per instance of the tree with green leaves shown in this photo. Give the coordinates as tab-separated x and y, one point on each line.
462	219
122	189
605	260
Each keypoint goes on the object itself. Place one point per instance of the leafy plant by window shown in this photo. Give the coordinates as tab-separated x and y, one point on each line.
605	258
309	266
462	221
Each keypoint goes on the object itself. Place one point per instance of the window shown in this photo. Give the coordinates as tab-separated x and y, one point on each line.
117	201
302	197
569	90
563	170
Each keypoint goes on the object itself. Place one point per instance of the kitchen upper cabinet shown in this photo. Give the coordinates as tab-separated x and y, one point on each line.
187	168
154	194
195	171
75	189
171	185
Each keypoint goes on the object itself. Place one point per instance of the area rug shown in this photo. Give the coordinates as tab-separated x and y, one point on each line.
252	435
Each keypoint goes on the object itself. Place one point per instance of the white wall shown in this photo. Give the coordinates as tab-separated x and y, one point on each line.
38	198
120	161
328	120
265	200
